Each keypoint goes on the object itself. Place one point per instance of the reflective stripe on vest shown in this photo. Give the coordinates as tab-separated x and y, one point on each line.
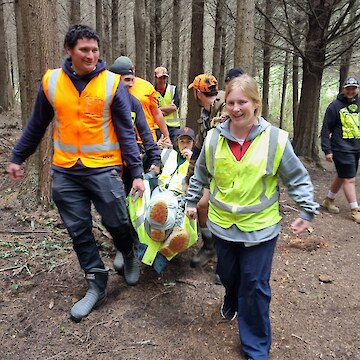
264	156
93	113
52	85
173	118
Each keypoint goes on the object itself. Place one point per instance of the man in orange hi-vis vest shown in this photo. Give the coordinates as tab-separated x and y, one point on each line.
93	135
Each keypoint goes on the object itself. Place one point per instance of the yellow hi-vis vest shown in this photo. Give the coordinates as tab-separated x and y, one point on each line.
173	119
83	126
137	211
245	192
173	177
350	121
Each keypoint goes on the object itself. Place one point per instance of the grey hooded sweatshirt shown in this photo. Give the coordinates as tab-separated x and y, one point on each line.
291	171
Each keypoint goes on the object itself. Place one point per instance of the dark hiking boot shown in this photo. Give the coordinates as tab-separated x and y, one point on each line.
94	297
119	262
227	313
131	269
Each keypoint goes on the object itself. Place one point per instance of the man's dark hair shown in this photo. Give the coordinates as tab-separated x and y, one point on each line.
77	32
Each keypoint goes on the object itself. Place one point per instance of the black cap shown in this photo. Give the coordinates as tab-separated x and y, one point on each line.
233	73
351	81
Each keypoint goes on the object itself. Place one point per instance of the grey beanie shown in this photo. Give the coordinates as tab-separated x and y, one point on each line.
123	66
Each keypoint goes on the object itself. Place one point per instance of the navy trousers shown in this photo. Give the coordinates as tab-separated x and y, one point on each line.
73	196
245	274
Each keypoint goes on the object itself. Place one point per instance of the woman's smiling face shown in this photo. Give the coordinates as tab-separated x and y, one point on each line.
240	108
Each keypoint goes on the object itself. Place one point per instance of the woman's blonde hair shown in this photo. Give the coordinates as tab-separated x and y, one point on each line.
248	86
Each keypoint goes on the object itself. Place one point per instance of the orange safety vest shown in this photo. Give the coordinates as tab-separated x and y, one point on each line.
83	126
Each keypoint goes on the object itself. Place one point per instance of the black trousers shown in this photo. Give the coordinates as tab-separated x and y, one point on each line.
73	196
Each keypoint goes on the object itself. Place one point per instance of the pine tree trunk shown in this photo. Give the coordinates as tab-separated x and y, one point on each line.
219	23
115	29
283	92
75	12
266	62
158	34
306	134
6	97
196	59
36	24
244	38
140	35
175	52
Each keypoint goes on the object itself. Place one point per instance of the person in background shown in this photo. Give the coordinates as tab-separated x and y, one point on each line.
93	136
145	92
168	103
240	163
340	141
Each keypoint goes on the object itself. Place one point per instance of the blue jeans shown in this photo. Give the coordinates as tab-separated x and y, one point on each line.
73	195
245	274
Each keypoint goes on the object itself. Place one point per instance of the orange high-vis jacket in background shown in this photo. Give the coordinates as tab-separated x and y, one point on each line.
83	126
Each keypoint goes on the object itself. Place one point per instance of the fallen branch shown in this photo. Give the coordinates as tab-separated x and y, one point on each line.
298	337
24	232
290	207
132	346
10	268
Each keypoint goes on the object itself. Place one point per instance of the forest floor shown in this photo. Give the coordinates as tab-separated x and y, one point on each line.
315	309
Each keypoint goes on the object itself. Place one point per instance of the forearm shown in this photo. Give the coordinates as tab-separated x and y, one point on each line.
168	109
297	180
160	122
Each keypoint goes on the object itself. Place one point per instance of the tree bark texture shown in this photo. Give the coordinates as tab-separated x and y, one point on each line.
36	23
107	49
223	56
75	17
244	38
6	96
295	71
140	36
99	14
175	52
266	62
196	59
219	24
283	92
150	41
115	43
306	127
346	56
158	34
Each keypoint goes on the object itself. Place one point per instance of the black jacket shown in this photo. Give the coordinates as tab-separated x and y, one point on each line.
332	132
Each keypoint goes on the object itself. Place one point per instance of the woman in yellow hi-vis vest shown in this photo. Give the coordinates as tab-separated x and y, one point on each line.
240	162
